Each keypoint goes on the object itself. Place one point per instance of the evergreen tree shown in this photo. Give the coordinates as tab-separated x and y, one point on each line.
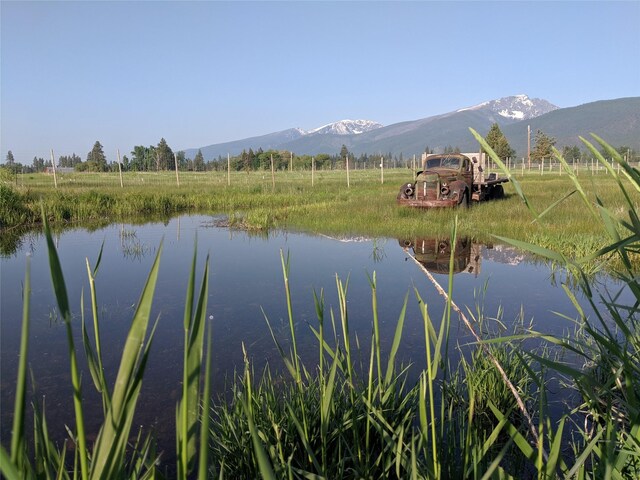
38	164
96	160
164	156
498	142
198	162
543	146
10	160
571	154
182	160
69	161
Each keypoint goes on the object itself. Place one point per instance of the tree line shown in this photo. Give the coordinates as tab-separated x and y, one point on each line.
160	157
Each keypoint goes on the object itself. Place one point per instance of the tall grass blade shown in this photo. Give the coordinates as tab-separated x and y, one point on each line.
194	326
264	464
18	443
294	343
95	360
203	467
376	326
110	446
8	467
512	179
395	345
62	299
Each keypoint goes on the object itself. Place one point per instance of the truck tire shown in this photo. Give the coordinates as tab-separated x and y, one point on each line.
498	192
464	203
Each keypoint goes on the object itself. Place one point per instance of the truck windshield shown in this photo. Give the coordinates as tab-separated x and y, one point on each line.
443	162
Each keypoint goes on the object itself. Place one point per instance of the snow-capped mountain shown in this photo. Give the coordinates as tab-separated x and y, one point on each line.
346	127
616	120
516	107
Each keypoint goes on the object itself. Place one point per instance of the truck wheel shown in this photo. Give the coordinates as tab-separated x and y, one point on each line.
498	191
464	203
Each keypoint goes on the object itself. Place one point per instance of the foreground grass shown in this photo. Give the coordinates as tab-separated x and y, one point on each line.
366	207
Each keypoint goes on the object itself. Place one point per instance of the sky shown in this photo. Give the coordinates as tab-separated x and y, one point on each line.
199	73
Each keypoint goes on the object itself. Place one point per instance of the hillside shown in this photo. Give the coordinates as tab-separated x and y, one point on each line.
617	121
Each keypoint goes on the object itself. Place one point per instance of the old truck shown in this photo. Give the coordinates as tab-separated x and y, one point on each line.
449	180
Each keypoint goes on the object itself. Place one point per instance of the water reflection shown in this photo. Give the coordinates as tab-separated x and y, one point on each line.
434	253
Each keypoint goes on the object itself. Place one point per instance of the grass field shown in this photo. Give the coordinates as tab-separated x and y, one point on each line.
258	201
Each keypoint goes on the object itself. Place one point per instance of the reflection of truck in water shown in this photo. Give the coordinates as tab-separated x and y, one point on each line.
434	254
447	180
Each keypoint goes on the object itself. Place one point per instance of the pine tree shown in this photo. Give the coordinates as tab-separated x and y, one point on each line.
10	159
198	162
164	156
96	160
498	142
543	146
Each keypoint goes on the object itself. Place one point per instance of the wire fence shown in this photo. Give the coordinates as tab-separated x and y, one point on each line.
270	179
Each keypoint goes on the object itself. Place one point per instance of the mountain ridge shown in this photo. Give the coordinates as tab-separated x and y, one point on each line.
617	121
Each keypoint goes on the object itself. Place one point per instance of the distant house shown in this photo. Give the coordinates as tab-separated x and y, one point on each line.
49	170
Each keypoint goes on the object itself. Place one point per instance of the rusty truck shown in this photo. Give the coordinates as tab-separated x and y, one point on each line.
452	179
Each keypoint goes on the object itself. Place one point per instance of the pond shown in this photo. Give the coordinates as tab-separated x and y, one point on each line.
246	285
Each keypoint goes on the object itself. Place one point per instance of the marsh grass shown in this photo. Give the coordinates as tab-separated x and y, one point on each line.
116	452
365	208
473	421
342	418
607	422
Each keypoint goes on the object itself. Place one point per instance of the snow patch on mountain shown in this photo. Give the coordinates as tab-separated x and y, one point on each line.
346	127
516	107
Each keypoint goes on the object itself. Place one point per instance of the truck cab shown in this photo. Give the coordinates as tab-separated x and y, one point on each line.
449	180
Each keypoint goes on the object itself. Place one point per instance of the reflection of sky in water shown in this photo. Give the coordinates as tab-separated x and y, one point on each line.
245	277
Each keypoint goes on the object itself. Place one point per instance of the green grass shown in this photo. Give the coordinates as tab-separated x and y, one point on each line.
366	208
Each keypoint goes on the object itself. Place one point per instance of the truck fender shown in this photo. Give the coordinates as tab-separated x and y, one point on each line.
459	188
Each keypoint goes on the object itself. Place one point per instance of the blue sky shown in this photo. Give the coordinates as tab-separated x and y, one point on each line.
198	73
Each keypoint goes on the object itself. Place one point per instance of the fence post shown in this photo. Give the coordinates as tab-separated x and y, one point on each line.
120	169
53	165
273	176
228	170
175	161
382	170
346	160
313	169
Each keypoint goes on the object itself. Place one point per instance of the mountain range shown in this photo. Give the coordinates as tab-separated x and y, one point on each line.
617	121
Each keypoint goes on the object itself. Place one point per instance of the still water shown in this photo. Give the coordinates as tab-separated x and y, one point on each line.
246	284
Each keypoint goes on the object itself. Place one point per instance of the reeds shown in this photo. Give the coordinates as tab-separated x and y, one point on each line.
116	452
487	417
